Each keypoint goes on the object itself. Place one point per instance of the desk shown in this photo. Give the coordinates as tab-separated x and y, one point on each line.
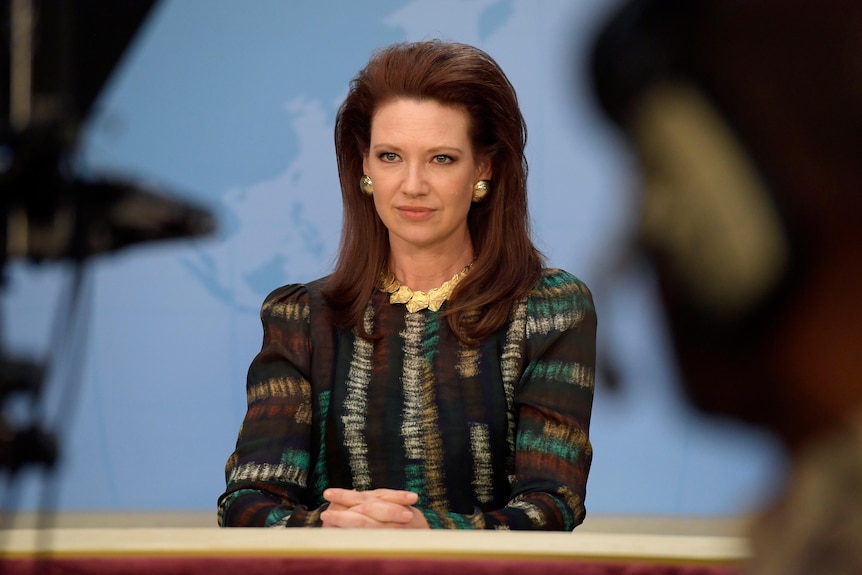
214	551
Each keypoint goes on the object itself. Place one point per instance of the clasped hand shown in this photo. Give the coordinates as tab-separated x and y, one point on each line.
377	508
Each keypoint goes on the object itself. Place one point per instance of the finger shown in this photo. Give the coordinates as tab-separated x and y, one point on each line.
383	511
351	497
396	496
351	520
346	497
344	519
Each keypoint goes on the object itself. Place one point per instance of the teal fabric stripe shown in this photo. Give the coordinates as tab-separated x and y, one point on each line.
530	441
438	520
461	521
277	514
562	371
296	458
432	337
433	518
561	293
565	513
321	479
550	307
415	480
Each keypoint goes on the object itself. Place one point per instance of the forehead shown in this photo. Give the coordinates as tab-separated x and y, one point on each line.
421	119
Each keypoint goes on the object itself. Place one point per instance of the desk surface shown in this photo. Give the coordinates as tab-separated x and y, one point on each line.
212	541
193	550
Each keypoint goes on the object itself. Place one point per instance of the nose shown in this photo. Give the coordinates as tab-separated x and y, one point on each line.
414	183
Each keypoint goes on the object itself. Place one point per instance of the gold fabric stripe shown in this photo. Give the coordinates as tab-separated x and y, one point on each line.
510	366
281	387
267	472
411	429
482	471
356	406
289	310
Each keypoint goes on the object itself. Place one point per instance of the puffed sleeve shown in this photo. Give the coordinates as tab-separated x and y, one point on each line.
266	475
552	403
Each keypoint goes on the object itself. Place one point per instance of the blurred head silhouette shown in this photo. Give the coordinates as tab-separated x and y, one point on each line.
746	118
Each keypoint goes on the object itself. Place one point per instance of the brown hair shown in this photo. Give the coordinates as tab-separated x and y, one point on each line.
507	263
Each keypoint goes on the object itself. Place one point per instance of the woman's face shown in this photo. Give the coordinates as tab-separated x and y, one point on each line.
422	165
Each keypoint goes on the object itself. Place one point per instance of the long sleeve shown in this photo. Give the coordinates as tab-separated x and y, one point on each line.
554	403
268	472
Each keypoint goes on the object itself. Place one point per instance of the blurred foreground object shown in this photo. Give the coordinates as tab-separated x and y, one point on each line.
58	55
746	118
55	58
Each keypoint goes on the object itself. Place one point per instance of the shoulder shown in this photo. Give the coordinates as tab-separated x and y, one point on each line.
559	285
559	301
292	301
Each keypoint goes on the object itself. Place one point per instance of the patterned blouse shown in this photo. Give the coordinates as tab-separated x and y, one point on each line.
493	436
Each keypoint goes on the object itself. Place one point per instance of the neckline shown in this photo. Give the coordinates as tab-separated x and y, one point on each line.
416	300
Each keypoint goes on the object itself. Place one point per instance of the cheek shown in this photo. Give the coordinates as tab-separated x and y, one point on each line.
463	190
379	205
386	185
462	201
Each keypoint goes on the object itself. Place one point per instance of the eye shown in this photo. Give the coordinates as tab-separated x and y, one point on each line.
443	159
389	156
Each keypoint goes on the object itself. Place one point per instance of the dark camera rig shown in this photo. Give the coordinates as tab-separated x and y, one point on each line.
55	59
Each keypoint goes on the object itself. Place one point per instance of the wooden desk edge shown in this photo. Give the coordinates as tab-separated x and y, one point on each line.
198	542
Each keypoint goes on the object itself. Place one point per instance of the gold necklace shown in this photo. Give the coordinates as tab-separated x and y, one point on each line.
416	300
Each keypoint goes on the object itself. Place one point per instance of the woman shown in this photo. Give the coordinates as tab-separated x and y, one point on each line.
440	377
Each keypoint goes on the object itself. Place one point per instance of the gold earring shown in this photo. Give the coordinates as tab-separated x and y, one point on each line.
366	185
480	190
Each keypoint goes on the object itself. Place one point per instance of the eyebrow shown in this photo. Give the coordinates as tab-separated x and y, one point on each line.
433	151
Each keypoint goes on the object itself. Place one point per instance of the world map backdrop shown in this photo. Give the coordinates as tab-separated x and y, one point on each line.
231	104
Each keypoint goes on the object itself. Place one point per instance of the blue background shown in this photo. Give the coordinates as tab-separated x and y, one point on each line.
231	104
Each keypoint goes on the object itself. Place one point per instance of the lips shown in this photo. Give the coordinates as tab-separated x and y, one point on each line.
415	213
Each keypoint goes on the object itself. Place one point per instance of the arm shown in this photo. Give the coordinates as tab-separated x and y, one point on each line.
553	404
266	475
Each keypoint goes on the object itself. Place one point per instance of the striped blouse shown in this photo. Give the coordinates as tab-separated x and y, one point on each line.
491	436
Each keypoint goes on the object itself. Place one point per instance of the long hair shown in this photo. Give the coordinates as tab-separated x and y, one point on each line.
507	263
